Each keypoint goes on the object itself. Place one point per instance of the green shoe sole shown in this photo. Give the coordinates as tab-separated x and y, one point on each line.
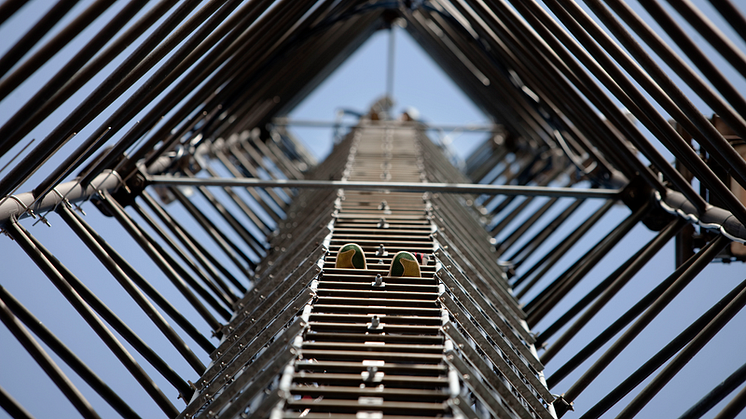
351	256
404	264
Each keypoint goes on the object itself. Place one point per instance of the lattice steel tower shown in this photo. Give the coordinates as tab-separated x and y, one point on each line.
223	264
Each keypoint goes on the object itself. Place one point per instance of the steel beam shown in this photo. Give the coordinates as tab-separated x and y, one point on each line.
461	188
25	205
283	122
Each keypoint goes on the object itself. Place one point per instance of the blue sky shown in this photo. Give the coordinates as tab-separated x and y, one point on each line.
356	85
418	83
439	100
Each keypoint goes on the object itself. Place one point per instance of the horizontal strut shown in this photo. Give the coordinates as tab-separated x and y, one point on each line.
378	125
462	188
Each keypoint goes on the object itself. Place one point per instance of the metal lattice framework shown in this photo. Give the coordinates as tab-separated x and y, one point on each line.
221	232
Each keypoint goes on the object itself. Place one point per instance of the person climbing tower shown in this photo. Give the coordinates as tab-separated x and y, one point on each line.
351	256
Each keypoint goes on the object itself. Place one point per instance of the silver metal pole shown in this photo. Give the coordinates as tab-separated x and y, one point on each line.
284	122
460	188
25	204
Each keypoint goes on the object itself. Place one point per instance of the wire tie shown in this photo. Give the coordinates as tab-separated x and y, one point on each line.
62	199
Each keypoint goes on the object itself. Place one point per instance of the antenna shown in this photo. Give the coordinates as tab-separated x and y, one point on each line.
390	69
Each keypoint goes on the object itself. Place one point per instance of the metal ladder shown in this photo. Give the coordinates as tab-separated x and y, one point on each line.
373	345
312	340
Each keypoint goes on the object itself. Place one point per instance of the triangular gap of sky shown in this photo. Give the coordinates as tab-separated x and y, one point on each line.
418	83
